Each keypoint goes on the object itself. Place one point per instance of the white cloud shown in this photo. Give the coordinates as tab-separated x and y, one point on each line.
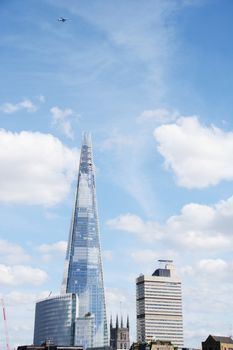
25	104
36	168
146	256
59	247
196	227
117	141
200	156
134	224
12	253
21	274
19	297
159	115
60	118
41	98
213	266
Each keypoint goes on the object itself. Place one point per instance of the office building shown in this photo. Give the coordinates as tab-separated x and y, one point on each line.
84	331
159	306
55	320
119	335
83	266
78	315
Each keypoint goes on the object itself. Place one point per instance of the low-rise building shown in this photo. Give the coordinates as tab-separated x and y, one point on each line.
48	346
214	342
153	345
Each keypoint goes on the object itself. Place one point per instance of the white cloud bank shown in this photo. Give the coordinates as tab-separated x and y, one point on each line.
197	227
36	168
199	156
20	275
12	253
25	104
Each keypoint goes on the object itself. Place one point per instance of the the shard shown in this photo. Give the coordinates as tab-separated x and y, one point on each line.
83	273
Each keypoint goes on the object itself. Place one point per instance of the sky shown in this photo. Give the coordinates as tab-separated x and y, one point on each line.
152	81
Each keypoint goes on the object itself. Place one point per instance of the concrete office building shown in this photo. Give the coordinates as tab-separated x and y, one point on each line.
159	306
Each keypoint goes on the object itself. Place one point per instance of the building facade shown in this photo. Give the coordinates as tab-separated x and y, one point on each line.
119	335
159	306
55	320
83	266
48	346
153	345
214	342
78	315
84	331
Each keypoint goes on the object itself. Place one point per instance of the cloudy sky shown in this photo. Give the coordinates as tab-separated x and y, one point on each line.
152	80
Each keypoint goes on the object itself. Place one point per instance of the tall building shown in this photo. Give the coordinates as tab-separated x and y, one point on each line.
55	320
83	266
119	335
159	306
78	315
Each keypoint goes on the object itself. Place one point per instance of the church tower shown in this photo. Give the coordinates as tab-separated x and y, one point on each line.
119	336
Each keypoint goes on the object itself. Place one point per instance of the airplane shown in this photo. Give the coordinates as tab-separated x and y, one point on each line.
62	19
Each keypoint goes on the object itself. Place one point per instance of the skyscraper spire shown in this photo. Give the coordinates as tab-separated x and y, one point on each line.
83	266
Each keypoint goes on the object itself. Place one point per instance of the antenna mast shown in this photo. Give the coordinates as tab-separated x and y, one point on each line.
5	324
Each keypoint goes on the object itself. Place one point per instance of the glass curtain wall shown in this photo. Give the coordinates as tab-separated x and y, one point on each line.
83	266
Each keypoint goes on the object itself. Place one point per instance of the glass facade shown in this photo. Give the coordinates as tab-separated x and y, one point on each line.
84	331
83	266
55	320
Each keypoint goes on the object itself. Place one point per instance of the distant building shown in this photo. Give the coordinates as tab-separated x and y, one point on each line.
159	306
154	345
55	320
214	342
84	330
48	346
119	335
161	345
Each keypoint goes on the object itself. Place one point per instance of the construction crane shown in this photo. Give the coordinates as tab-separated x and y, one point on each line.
5	324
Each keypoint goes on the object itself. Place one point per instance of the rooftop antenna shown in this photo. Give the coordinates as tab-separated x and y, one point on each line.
163	262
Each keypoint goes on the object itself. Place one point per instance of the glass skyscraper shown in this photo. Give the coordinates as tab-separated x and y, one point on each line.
55	320
83	266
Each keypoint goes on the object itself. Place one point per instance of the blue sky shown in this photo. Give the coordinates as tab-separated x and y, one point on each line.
153	82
